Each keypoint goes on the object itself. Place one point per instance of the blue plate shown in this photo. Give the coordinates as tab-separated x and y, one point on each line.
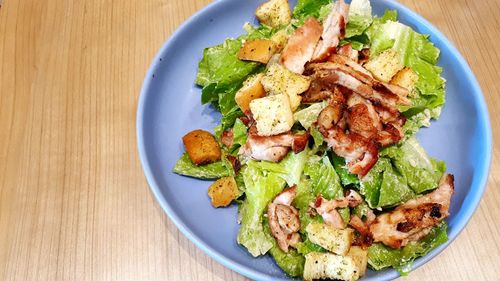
169	107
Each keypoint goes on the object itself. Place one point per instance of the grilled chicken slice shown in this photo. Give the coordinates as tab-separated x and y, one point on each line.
349	52
327	209
360	153
300	47
272	148
284	219
415	218
333	31
362	117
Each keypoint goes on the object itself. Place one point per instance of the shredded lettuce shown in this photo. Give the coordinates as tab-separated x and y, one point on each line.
381	256
239	134
308	8
340	167
359	19
261	188
185	167
324	179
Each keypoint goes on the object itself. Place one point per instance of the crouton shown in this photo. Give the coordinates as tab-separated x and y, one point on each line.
280	39
201	147
385	65
335	240
360	258
405	78
272	114
252	89
274	13
280	80
223	191
329	266
259	50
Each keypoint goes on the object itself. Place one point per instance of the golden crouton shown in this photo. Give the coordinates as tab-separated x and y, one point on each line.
251	89
201	147
280	39
272	115
335	240
360	258
329	266
274	13
223	192
385	65
259	50
405	78
280	80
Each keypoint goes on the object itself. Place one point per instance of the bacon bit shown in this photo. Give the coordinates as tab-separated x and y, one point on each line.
227	138
364	55
235	162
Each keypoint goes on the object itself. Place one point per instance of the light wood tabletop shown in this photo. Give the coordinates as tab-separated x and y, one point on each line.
74	202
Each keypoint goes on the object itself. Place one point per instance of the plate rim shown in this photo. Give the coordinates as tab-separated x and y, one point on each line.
257	275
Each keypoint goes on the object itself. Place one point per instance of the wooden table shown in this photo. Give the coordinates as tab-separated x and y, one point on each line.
74	203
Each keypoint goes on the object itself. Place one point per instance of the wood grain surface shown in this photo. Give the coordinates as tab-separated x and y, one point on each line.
74	203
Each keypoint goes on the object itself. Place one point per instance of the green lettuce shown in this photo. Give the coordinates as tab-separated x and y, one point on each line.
400	173
421	171
308	8
290	168
292	262
340	167
324	179
260	190
307	116
359	19
418	53
215	170
304	196
381	256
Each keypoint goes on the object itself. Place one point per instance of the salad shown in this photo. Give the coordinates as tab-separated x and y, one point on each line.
319	108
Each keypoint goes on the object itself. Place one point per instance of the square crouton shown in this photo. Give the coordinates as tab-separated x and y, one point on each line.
259	50
223	191
201	147
385	65
252	89
360	258
280	80
274	13
272	114
335	240
405	78
329	266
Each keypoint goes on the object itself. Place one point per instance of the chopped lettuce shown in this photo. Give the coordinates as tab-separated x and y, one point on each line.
340	167
401	172
308	8
421	171
185	167
381	256
292	262
384	186
261	188
239	134
304	196
307	116
290	168
359	19
324	179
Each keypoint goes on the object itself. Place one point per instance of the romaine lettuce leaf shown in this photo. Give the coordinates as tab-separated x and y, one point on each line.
292	262
308	8
401	172
324	179
340	167
304	196
381	256
421	171
215	170
290	168
239	133
307	116
359	19
260	189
